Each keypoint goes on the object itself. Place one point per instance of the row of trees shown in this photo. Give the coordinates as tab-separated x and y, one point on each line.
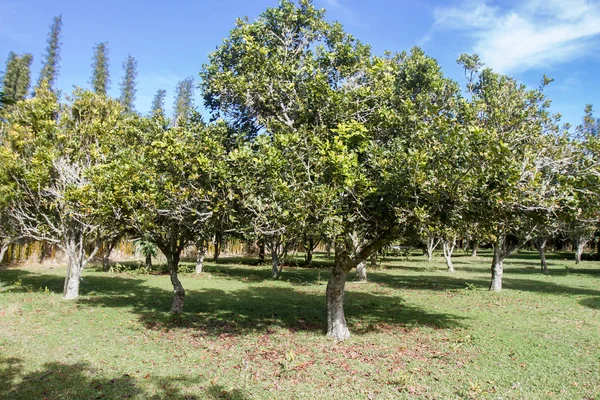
311	136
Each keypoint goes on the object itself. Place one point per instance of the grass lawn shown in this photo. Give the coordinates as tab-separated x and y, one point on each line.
417	332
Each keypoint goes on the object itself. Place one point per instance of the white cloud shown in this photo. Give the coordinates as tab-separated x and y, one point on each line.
534	34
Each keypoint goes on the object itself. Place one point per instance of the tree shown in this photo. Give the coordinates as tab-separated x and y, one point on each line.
100	74
184	101
164	194
158	102
17	77
346	114
510	126
51	58
49	155
128	84
583	220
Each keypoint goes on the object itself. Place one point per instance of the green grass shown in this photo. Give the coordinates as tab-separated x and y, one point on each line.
417	332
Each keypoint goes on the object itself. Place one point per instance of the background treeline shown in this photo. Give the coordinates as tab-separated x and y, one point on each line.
312	139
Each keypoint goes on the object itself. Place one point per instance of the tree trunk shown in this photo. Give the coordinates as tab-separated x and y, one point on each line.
497	269
540	245
361	272
261	251
579	243
106	251
178	290
336	320
374	260
431	245
201	252
474	246
328	250
448	247
148	261
71	290
276	271
3	250
217	247
503	247
309	251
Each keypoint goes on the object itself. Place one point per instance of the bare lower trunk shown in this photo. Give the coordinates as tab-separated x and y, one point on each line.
503	247
148	261
328	250
106	251
497	270
217	247
374	260
580	243
540	245
201	252
474	246
276	270
336	320
178	290
309	251
261	251
71	289
432	243
3	250
448	246
361	272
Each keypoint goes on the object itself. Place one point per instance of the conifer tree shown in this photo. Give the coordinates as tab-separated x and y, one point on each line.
184	103
17	77
51	58
158	102
128	84
100	75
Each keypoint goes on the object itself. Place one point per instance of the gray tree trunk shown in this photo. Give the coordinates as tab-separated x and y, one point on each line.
448	247
178	290
502	249
432	243
309	251
474	246
217	252
201	252
374	260
74	270
148	261
276	270
261	251
336	320
3	250
361	272
540	245
579	243
107	249
328	250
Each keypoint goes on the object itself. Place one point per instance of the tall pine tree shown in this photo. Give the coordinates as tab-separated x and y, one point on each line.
158	102
100	75
128	88
184	102
17	77
51	58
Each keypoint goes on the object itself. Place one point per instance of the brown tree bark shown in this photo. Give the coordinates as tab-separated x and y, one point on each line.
540	245
178	290
201	252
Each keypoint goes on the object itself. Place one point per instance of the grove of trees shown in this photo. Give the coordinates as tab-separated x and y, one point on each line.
311	137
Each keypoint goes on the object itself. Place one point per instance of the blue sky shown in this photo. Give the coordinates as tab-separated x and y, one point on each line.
171	39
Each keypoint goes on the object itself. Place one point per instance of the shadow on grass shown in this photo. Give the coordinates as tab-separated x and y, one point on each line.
239	312
83	381
452	282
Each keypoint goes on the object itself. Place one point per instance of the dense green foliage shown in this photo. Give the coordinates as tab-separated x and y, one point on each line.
100	74
312	137
51	58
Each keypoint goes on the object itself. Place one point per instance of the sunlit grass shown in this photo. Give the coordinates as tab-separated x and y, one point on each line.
417	331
